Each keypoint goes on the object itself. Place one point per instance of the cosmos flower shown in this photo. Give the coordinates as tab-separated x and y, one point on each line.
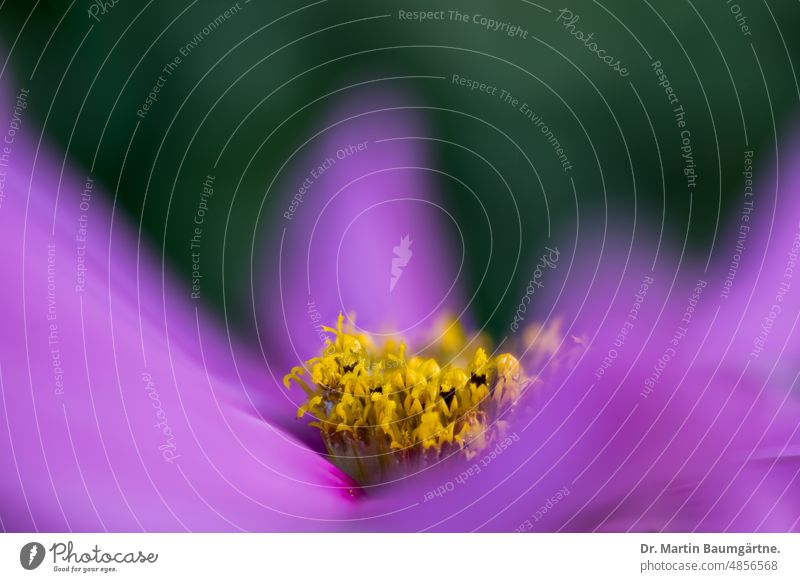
636	403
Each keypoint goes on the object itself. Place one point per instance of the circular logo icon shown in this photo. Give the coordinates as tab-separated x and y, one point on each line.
31	555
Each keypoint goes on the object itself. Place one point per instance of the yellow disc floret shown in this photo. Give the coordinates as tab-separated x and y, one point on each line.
380	411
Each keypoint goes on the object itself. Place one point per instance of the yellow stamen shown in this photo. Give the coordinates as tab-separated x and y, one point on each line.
378	410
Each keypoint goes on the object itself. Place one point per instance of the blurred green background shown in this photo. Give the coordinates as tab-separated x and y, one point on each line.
89	76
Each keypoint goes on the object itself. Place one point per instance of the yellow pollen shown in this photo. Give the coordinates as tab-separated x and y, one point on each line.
381	413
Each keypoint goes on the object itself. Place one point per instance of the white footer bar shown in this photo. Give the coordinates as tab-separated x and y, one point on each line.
386	557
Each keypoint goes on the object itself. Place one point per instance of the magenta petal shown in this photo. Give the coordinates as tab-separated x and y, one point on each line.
705	451
123	407
357	189
759	261
711	444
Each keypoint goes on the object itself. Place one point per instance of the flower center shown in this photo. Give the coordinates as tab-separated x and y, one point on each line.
381	413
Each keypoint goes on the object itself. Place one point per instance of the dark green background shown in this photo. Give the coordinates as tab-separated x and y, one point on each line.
699	43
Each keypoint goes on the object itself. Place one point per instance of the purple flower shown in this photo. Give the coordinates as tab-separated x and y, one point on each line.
125	407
